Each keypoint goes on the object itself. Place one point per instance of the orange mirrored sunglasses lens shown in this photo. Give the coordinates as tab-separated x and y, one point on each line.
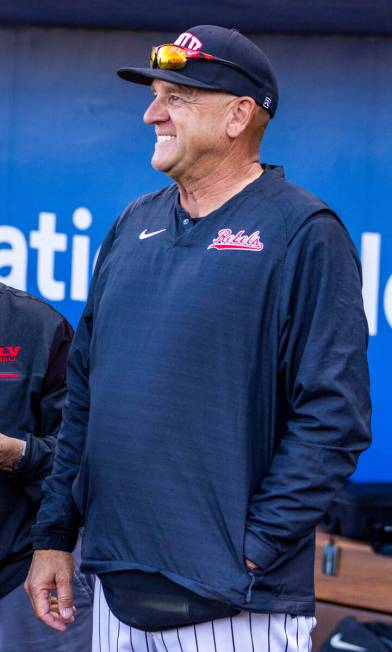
168	57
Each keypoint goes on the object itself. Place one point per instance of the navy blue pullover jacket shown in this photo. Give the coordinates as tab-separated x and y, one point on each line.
34	344
218	396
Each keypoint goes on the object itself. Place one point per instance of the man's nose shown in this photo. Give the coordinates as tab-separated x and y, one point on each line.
155	112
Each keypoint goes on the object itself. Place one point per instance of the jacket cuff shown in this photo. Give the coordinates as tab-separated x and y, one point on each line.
53	539
261	553
25	461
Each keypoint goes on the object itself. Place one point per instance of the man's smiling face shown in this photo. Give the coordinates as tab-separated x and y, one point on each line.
190	129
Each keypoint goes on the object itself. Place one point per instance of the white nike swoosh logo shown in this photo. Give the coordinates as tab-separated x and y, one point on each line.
336	641
144	234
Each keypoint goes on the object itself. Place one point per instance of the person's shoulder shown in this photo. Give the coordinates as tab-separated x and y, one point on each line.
29	307
295	204
144	202
288	196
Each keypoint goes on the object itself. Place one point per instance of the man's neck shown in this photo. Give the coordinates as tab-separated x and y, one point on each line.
202	196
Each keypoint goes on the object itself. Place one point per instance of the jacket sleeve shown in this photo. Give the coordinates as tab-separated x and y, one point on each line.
38	457
58	519
324	385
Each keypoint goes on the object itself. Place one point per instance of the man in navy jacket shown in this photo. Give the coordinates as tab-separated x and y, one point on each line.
218	383
34	344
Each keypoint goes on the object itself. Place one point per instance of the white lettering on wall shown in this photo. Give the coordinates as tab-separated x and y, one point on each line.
388	301
48	242
14	256
82	219
370	254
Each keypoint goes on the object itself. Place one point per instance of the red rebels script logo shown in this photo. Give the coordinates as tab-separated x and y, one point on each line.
228	240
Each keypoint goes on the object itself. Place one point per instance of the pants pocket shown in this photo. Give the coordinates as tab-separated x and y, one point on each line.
83	588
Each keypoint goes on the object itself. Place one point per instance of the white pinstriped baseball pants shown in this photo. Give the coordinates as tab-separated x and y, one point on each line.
247	632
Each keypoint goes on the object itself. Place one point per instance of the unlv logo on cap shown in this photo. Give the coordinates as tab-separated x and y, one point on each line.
187	40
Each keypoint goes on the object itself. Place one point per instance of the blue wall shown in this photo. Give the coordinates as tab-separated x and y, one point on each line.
71	138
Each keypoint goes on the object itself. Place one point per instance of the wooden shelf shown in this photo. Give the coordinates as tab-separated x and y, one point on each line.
363	578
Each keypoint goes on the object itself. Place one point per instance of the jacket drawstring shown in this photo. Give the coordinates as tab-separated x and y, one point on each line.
250	587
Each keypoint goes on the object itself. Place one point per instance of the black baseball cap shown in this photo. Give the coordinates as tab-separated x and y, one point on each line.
228	44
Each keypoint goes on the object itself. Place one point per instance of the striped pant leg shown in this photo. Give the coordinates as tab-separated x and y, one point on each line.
110	634
247	632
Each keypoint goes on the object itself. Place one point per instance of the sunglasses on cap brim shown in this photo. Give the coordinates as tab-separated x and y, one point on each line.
176	57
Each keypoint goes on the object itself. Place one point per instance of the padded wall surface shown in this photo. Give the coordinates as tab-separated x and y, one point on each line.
322	16
72	137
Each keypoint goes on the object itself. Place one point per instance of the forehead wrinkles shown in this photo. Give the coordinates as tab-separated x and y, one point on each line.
165	87
190	93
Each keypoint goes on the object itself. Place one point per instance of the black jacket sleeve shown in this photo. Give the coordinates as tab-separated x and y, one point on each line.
324	384
58	519
38	458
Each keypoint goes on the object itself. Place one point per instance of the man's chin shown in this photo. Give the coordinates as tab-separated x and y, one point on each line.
161	165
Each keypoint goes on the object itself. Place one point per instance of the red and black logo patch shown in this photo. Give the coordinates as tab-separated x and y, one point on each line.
8	357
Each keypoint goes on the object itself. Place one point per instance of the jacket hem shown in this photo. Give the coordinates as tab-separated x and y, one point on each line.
235	596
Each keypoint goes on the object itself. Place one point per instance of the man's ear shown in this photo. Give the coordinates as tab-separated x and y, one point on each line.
241	113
